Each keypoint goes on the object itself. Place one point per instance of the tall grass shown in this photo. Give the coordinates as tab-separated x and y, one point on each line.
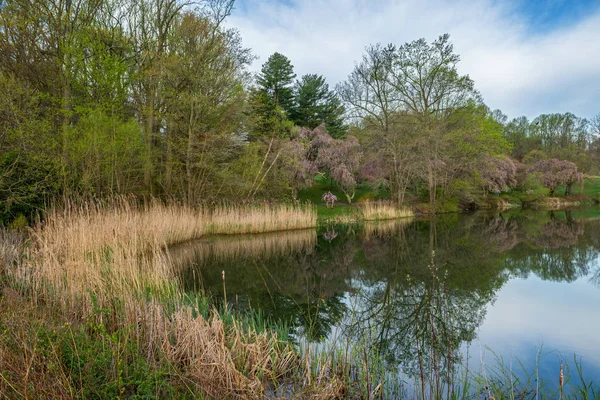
107	261
236	219
11	248
379	210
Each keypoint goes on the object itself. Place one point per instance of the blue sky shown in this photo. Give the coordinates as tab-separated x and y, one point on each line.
546	15
526	57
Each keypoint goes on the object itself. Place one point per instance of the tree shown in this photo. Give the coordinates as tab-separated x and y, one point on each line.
204	99
498	173
555	172
596	124
276	79
315	104
558	132
416	85
387	133
428	85
340	159
517	132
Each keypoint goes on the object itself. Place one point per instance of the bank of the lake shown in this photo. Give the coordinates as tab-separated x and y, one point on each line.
515	199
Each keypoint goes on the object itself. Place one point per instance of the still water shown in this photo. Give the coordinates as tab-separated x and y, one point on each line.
519	289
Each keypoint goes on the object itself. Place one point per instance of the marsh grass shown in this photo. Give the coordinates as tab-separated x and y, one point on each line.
107	264
380	210
235	219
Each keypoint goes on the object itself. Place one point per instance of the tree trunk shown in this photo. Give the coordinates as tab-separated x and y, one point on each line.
148	135
431	182
169	157
188	157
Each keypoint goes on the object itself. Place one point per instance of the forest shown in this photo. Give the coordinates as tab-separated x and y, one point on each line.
155	98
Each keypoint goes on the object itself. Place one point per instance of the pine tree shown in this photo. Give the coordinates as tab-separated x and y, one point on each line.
315	104
276	79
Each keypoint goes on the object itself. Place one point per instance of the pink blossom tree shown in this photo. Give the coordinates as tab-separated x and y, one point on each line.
340	159
555	172
498	173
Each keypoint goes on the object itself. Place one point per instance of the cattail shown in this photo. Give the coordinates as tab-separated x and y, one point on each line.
561	379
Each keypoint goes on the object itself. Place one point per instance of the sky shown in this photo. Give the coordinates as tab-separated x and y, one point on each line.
527	57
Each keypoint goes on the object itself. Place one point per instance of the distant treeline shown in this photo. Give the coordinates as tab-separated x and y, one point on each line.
154	98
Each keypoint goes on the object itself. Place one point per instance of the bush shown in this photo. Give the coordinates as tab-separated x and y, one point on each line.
532	189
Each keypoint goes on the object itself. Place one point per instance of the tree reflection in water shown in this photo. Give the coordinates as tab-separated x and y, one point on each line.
411	292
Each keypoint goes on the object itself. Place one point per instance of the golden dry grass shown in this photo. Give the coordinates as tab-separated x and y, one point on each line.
379	210
231	219
112	256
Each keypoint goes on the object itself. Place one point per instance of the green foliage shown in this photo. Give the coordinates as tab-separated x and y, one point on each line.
25	184
534	156
105	153
315	104
532	189
265	118
276	80
106	364
20	222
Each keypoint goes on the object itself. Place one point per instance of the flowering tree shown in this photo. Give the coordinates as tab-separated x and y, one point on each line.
329	199
555	172
341	160
498	174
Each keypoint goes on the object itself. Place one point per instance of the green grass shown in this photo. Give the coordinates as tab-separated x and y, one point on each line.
591	187
339	211
323	185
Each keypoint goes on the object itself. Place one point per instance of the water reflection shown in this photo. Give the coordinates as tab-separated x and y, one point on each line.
419	289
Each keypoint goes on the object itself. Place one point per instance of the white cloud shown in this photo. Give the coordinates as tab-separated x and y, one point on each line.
516	70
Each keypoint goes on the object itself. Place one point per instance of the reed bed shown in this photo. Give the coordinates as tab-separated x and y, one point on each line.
11	247
235	219
380	210
111	257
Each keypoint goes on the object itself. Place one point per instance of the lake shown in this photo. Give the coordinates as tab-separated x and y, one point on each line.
485	294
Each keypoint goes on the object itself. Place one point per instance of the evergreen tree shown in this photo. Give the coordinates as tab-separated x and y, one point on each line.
276	79
315	104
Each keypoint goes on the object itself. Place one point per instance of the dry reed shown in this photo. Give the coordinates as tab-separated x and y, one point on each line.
231	219
379	210
104	256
